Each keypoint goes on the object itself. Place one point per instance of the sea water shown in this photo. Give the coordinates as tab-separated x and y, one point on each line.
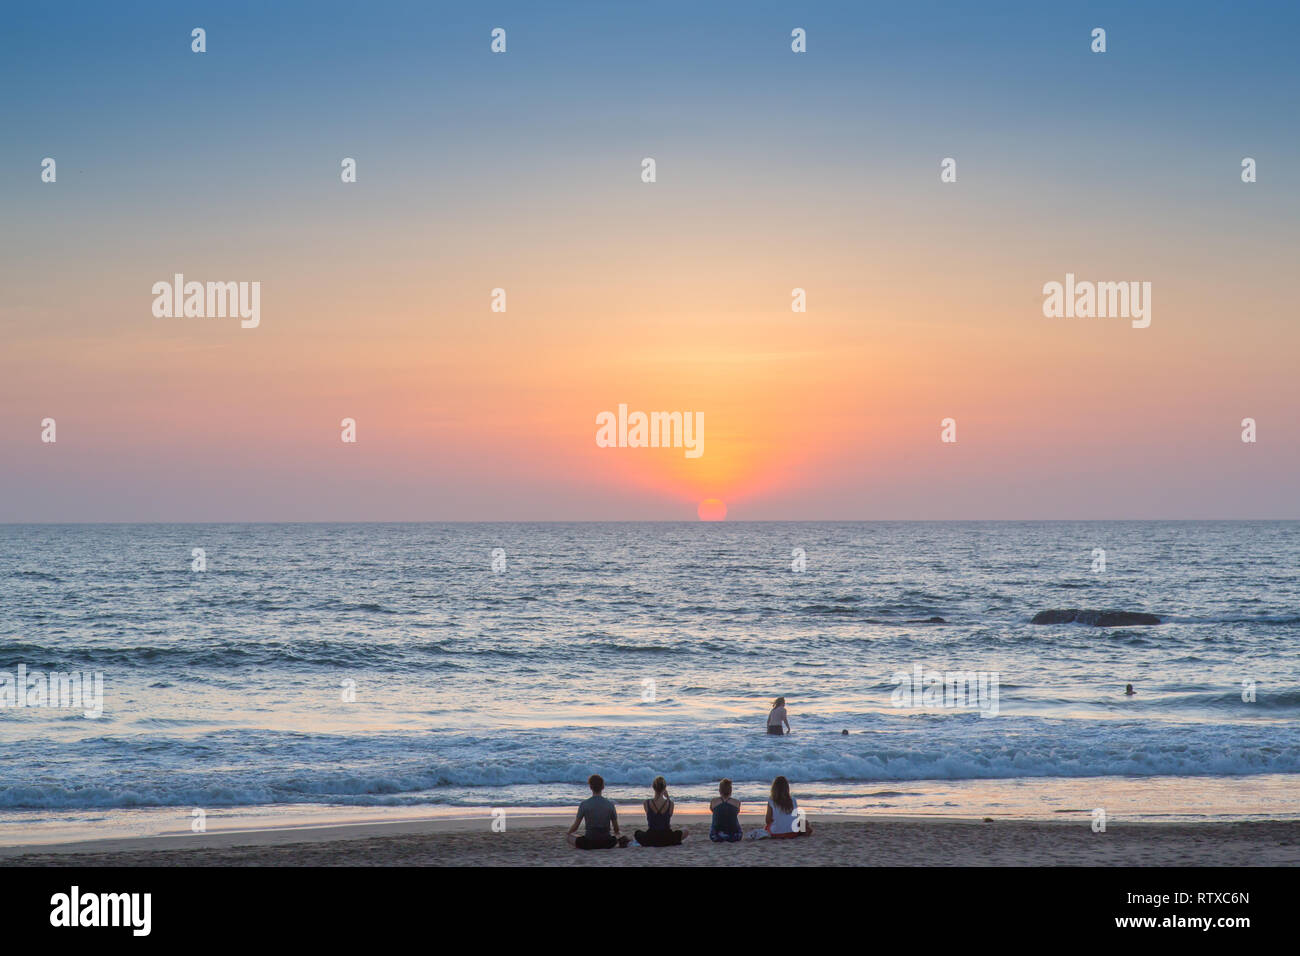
361	671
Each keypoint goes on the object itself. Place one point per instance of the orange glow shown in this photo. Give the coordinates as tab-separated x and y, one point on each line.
712	509
831	413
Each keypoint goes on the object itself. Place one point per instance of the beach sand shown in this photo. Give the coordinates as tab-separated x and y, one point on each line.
838	841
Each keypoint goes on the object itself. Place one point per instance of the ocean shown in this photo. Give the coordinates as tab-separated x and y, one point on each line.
315	672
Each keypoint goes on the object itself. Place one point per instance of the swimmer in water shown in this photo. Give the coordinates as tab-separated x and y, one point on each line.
1128	690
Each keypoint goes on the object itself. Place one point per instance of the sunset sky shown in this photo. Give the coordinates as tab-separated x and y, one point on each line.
522	171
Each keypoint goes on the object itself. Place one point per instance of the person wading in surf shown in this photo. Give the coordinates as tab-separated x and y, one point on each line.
778	717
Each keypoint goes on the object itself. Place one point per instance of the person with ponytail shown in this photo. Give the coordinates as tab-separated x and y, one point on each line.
659	815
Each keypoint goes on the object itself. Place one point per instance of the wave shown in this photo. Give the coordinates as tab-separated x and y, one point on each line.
242	653
410	771
38	576
880	614
1265	700
1235	619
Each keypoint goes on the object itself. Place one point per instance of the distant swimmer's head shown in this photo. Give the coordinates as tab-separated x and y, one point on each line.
661	787
724	788
1128	690
596	782
779	702
781	795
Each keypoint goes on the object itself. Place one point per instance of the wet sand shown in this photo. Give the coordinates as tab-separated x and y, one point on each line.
836	841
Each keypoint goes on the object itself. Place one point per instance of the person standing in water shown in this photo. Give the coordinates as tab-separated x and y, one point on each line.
777	717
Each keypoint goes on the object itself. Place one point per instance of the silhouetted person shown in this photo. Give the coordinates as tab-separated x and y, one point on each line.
725	827
659	816
601	816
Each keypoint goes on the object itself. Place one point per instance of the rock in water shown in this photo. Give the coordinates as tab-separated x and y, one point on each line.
1055	617
1074	615
1117	618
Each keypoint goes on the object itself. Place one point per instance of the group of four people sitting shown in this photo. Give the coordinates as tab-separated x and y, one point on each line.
784	819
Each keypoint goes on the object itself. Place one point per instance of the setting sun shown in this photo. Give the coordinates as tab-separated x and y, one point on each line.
712	509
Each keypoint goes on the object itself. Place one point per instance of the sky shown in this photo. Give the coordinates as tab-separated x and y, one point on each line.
522	171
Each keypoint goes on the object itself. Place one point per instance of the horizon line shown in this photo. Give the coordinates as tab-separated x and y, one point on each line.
693	521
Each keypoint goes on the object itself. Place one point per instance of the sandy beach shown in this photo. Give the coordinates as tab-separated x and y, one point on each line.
539	841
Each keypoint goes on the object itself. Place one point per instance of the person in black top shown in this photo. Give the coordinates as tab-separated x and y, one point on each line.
659	814
725	827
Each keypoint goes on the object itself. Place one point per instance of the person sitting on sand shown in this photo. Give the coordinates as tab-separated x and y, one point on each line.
778	717
601	816
659	814
725	827
783	816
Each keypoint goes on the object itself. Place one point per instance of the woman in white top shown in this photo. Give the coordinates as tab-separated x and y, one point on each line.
777	717
783	817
